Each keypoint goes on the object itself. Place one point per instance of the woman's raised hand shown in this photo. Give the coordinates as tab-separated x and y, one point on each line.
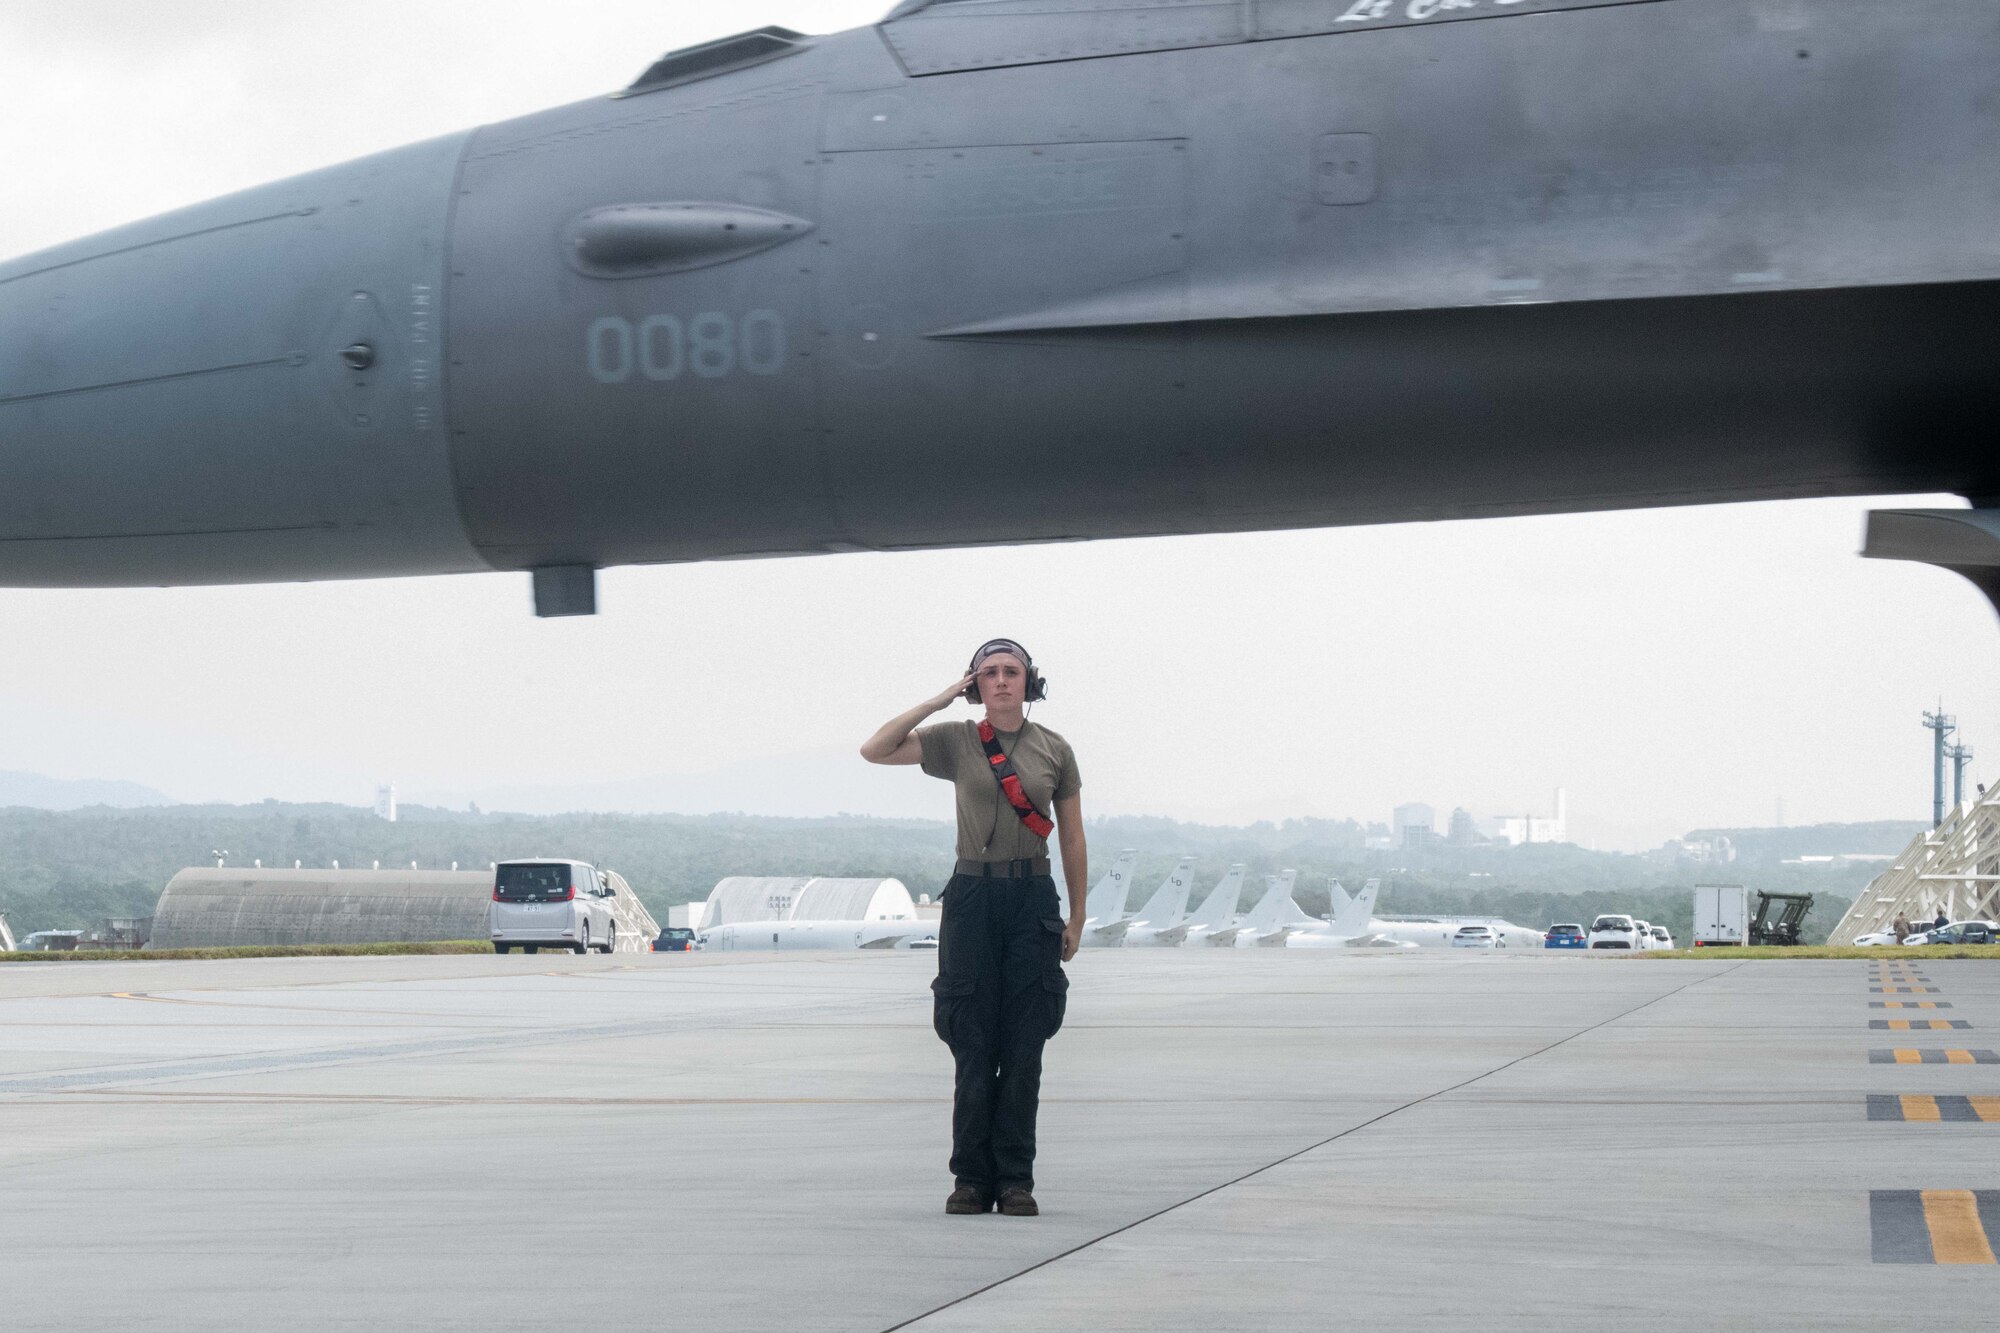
943	701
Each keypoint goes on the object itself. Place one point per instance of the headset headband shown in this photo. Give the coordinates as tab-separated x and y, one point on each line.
1038	688
1008	646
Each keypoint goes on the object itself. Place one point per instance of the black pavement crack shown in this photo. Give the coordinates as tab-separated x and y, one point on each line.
1294	1156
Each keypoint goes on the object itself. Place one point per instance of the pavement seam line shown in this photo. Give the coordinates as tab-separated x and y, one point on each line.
1293	1156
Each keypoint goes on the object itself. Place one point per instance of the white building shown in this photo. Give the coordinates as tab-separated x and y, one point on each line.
741	898
1517	829
1415	821
385	803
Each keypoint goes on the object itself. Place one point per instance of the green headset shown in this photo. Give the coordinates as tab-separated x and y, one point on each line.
1038	688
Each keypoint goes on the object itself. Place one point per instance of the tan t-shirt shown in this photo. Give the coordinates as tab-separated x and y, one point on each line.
988	828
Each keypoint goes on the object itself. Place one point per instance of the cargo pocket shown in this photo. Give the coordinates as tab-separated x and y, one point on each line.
948	1000
1054	991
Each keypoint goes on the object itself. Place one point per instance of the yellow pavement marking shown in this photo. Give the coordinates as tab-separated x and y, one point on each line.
1958	1058
1905	1056
1986	1108
1956	1235
1921	1108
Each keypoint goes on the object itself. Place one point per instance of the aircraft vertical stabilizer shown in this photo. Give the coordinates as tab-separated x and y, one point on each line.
1220	906
1353	919
1107	900
1169	902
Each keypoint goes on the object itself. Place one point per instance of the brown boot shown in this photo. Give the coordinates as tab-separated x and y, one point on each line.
969	1199
1017	1202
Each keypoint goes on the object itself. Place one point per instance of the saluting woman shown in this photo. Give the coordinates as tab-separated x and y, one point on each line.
1000	990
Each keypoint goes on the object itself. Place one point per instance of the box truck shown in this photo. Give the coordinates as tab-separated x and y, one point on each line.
1721	915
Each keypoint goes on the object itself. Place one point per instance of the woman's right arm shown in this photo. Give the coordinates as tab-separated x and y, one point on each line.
896	742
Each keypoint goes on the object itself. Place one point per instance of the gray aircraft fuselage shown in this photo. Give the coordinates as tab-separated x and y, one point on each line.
1001	271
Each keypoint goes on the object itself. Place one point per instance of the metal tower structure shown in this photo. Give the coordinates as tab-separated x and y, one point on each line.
1960	754
1940	724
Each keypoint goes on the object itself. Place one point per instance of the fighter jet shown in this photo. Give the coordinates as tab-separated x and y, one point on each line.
1218	910
1217	265
1352	927
1159	923
1104	917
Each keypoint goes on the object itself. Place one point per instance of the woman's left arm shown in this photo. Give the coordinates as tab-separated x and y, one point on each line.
1076	868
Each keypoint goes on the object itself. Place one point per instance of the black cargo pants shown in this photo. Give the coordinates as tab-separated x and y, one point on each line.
1000	993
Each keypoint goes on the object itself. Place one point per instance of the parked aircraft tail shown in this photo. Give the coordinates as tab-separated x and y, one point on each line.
1106	902
1353	918
1169	902
1220	906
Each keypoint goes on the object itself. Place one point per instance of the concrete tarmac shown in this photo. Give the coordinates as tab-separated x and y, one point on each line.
1255	1140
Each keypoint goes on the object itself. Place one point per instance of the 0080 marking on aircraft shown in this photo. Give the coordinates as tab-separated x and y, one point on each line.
662	348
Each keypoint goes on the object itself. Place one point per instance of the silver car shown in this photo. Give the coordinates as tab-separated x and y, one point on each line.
552	904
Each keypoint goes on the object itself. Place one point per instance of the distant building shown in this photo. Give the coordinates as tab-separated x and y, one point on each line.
1463	830
741	898
210	905
385	803
1518	829
1716	850
1378	838
1416	824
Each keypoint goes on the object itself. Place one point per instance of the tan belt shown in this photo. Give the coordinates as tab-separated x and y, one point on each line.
1026	868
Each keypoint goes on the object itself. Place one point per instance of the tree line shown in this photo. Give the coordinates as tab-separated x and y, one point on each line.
69	869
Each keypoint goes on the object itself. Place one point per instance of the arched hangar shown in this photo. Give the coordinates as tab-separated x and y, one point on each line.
212	906
741	898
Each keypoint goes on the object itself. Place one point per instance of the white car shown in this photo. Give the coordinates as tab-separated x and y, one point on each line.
1662	938
1874	938
1477	937
1614	931
1642	934
1980	932
548	904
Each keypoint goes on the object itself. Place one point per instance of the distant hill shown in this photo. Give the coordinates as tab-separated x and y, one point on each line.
46	793
1768	846
811	784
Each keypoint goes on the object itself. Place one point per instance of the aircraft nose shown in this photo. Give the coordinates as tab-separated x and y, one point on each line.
252	383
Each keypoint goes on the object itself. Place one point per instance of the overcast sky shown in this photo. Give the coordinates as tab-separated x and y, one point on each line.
1672	668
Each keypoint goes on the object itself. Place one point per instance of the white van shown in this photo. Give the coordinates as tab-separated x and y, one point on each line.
552	904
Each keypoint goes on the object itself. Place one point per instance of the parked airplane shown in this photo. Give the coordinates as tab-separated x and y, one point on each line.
1218	910
768	935
1352	927
1104	917
1275	914
1434	932
1159	923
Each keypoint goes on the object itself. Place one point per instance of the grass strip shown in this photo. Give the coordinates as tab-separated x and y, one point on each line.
401	948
